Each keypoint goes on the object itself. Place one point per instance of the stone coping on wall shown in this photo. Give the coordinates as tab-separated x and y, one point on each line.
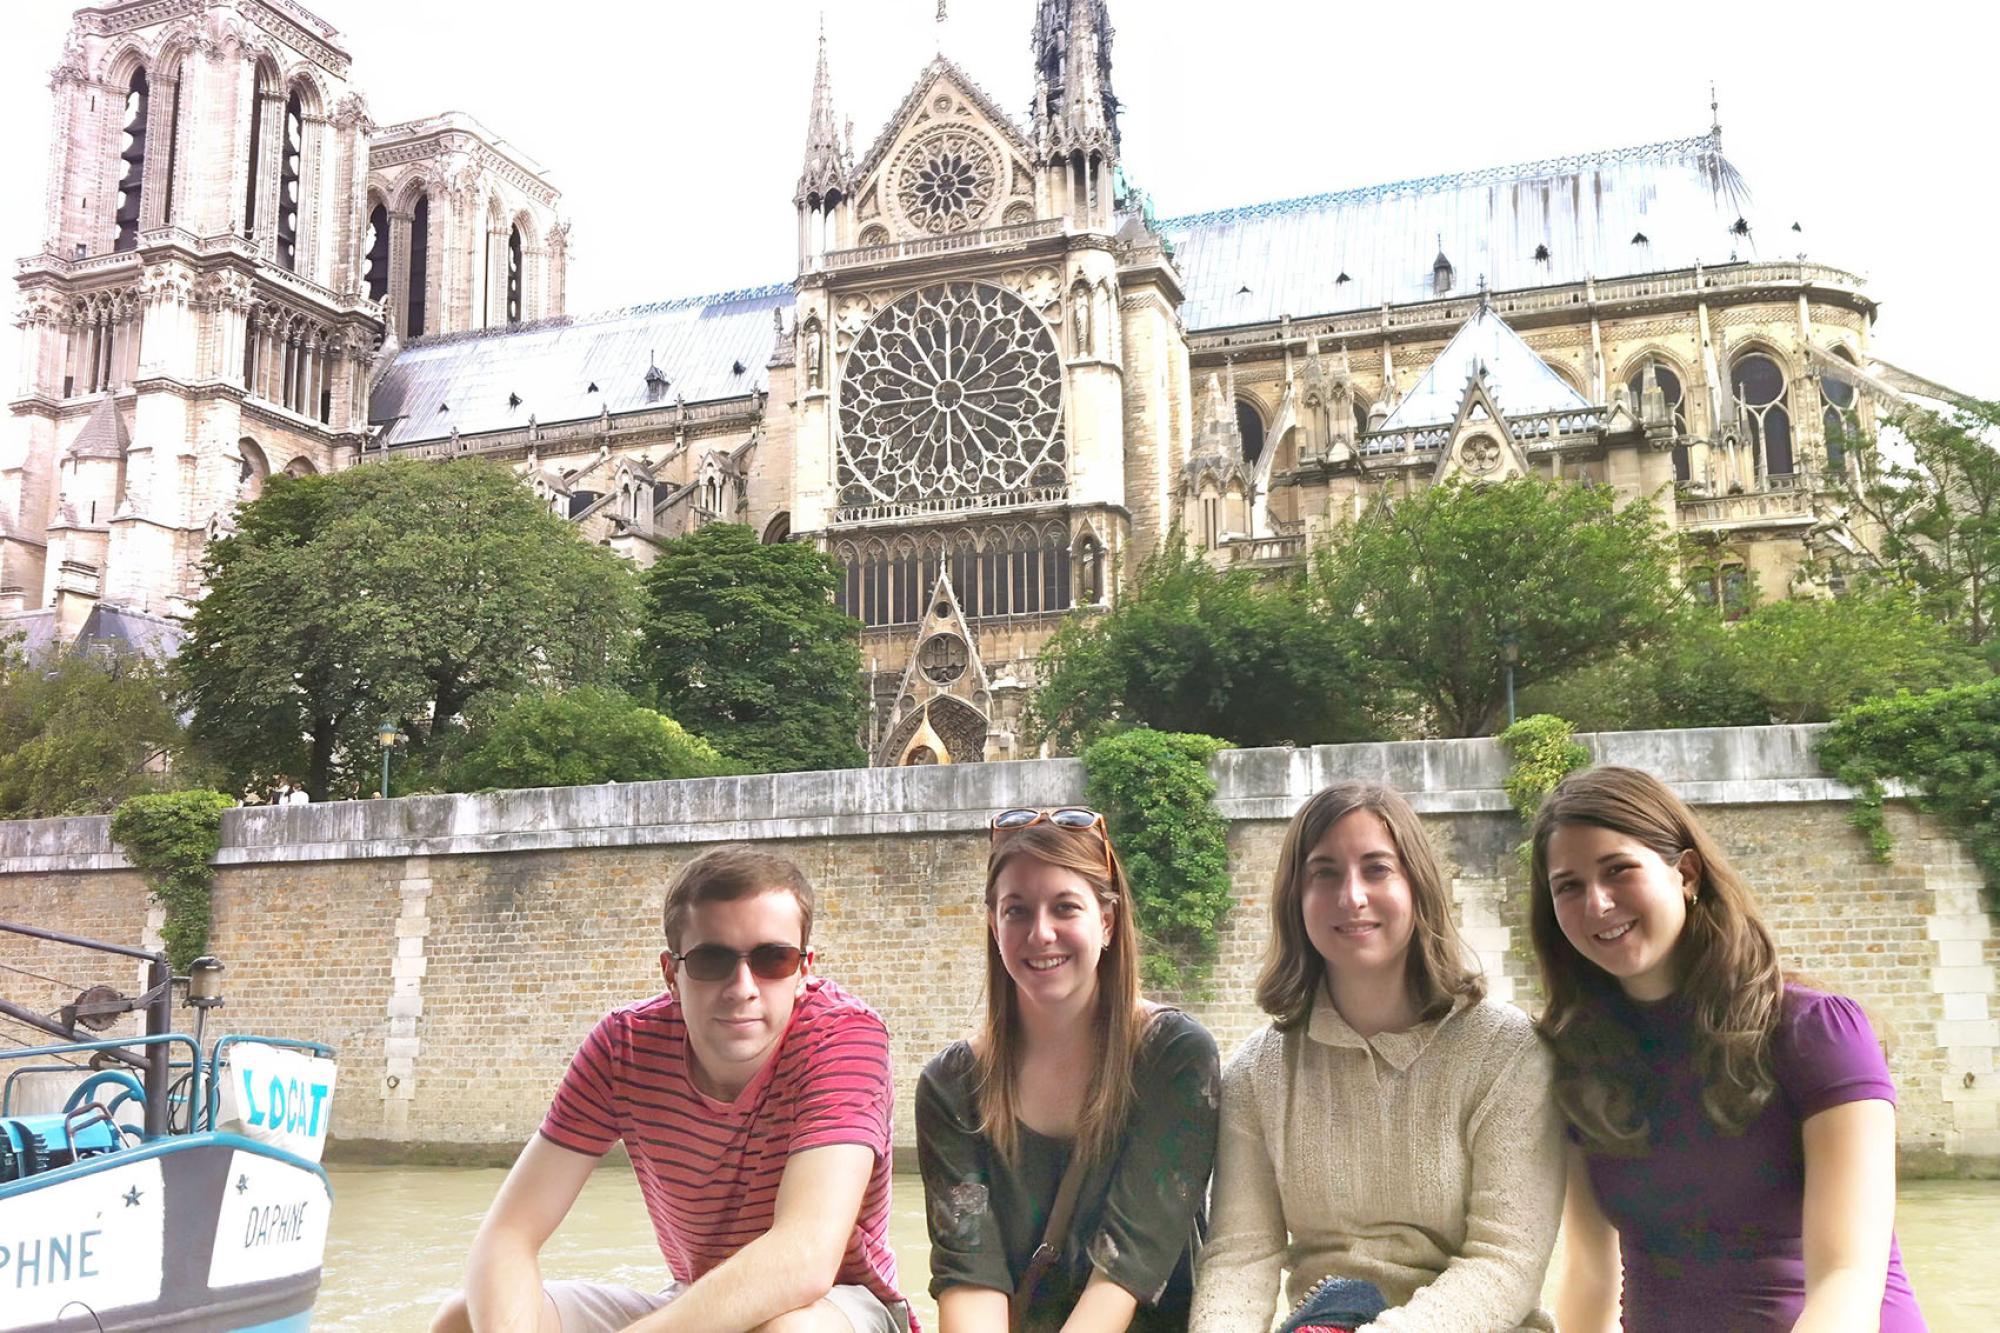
1709	766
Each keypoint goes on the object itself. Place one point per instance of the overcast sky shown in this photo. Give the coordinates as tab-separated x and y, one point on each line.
674	129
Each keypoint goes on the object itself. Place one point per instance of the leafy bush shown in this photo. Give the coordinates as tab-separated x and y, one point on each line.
170	838
1945	744
1156	795
587	735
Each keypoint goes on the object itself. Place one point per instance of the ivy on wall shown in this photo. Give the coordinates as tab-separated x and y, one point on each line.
1156	796
170	838
1545	750
1946	745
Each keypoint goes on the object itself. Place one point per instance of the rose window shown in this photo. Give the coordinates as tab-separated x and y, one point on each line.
942	659
1480	454
952	392
947	182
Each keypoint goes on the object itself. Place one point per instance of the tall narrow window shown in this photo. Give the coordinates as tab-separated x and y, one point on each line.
514	276
375	259
420	263
288	182
1251	427
1840	418
1767	418
173	147
133	155
256	156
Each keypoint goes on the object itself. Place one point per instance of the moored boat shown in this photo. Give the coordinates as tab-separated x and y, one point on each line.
160	1183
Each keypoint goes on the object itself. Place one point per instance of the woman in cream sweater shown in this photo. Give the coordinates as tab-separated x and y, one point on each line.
1390	1125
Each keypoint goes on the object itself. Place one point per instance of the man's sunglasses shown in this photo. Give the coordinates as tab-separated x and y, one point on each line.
1072	817
712	962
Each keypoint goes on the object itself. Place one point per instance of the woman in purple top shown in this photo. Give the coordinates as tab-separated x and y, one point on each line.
1733	1134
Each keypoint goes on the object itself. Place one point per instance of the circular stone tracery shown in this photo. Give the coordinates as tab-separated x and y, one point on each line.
953	391
947	182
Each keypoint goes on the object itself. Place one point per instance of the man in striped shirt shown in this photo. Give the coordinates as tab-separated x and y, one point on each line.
753	1098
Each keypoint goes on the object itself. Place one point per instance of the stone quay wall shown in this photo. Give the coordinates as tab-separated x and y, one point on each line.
456	949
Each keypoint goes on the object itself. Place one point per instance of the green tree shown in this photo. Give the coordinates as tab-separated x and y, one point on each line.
586	735
1807	659
1190	648
1433	587
403	591
83	728
743	645
1800	660
1925	513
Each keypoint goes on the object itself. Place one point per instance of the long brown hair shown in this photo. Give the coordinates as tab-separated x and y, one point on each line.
1120	1026
1293	969
1725	965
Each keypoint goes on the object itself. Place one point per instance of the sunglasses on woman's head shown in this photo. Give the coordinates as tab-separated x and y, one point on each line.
713	962
1075	818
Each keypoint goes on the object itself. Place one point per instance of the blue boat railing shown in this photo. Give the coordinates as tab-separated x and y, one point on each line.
166	1039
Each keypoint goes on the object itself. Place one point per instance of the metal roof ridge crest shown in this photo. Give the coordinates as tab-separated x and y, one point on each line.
1701	145
602	316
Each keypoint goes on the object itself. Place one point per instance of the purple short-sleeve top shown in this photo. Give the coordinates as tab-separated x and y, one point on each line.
1710	1226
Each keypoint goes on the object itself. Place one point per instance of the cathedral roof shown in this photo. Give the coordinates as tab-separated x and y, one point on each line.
1536	224
1520	381
120	629
709	347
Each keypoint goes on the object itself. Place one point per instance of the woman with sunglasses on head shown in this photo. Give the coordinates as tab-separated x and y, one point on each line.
1733	1158
1065	1148
1391	1126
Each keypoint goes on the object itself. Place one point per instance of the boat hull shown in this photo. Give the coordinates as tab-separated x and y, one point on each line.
202	1233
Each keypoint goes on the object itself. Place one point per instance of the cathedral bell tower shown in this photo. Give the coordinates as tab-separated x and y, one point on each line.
968	300
193	320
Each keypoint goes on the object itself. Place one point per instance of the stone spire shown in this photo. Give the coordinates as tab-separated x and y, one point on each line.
1075	109
826	164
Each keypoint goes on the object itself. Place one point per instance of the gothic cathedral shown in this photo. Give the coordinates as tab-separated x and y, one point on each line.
995	382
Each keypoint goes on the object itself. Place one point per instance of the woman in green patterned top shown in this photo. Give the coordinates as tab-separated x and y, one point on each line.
1069	1064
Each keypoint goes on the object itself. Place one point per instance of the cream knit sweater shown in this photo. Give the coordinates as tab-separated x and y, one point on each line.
1428	1162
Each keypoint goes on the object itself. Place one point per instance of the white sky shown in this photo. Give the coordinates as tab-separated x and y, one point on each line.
674	129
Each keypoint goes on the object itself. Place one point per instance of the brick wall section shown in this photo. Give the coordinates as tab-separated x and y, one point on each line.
456	950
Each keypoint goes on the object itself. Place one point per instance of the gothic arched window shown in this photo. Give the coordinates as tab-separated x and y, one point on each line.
1669	384
1840	417
375	258
420	264
1759	385
514	276
1250	425
289	168
131	186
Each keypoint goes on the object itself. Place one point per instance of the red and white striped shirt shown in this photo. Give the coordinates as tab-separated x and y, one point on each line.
708	1169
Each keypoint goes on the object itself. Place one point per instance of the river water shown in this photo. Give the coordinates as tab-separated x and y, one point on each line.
400	1234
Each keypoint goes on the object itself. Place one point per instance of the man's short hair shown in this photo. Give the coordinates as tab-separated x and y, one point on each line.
724	874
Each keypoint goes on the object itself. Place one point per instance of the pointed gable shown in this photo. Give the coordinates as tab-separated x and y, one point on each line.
1480	447
1516	379
941	705
949	161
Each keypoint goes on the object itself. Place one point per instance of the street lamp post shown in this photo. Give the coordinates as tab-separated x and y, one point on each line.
386	735
1510	653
